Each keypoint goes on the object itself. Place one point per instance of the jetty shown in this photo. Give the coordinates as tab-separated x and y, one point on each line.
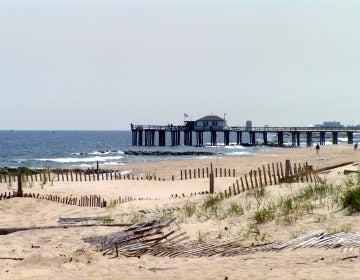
191	133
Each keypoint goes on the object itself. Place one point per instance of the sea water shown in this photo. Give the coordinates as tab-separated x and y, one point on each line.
61	149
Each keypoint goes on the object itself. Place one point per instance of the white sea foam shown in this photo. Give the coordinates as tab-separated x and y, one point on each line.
238	147
112	163
204	157
72	160
86	165
100	152
240	154
125	172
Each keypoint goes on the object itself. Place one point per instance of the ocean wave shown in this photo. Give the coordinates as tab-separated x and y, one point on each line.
72	160
78	154
106	152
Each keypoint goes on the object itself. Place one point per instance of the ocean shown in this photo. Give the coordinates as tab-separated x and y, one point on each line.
61	149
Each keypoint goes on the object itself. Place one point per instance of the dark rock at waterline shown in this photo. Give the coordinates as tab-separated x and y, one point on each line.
168	153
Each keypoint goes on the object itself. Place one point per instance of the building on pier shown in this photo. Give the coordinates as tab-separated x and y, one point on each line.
210	122
330	124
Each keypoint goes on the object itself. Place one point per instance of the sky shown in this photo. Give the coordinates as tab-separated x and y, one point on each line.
96	64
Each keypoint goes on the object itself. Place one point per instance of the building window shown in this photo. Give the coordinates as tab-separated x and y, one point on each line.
206	123
214	123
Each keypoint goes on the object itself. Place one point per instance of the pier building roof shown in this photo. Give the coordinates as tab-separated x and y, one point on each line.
211	118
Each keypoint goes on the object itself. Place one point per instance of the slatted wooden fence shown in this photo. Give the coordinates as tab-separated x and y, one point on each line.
72	176
8	195
198	173
266	175
271	175
85	200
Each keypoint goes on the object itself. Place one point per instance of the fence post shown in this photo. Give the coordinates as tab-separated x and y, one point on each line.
269	174
274	174
238	186
211	180
247	183
20	190
97	170
261	182
255	178
264	172
278	173
287	168
242	184
281	170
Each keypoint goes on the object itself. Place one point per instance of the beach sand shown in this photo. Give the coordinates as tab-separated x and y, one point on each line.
63	253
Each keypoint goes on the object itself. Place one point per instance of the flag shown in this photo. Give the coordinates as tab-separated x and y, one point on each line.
186	115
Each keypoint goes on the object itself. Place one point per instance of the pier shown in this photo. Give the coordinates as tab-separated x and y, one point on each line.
190	135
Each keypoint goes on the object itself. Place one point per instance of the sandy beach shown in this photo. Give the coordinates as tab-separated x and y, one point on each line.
63	253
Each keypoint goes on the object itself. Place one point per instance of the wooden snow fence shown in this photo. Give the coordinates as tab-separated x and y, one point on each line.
8	195
164	238
8	179
266	175
200	173
84	201
49	177
272	174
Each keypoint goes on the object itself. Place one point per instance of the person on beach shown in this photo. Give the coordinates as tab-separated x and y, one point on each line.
355	146
317	148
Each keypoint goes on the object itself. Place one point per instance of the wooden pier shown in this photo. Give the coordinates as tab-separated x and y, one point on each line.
146	135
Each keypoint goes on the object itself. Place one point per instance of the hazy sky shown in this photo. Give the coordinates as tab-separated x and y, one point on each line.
72	64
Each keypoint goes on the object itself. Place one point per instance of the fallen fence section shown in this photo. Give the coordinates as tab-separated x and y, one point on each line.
164	238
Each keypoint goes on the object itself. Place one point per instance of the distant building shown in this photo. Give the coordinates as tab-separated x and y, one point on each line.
248	124
210	122
329	124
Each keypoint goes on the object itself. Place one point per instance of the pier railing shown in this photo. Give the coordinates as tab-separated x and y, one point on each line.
295	129
250	129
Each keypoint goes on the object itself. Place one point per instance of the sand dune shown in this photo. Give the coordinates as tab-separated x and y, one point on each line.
63	253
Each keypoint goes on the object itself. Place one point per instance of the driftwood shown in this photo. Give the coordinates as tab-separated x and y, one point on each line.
74	221
4	231
12	259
